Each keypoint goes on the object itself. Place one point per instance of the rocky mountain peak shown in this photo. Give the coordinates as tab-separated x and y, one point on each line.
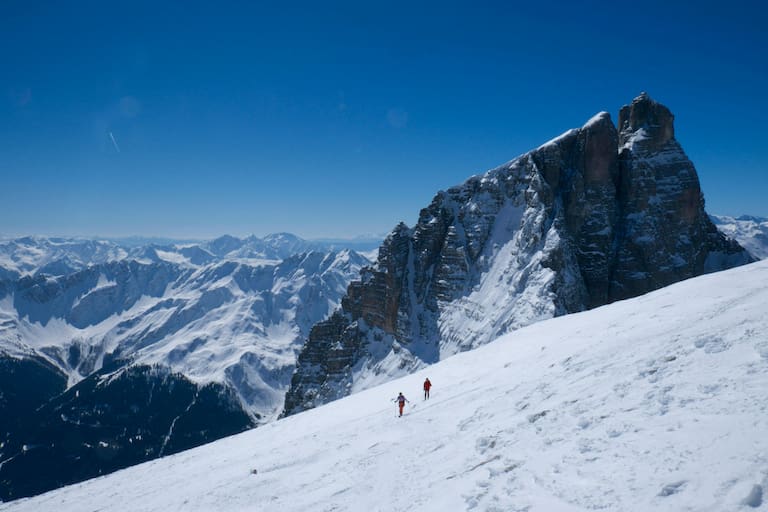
593	216
645	122
601	118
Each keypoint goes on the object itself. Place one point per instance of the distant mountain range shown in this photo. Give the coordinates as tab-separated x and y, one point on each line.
59	256
111	355
751	232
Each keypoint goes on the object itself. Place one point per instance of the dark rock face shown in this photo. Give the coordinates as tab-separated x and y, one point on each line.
108	422
593	216
664	233
334	346
376	298
581	172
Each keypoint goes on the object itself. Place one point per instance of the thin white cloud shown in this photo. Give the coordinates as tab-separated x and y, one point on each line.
114	142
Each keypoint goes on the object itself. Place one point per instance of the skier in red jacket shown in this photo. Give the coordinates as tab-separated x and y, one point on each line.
427	385
401	402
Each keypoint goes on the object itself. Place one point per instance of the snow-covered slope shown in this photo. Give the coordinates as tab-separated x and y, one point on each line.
653	403
751	232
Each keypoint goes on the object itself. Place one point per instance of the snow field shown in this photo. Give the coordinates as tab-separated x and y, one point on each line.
654	403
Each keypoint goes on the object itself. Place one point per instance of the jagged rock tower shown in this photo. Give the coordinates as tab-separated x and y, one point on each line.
593	216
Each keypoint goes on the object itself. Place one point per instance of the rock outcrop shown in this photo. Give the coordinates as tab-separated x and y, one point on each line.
593	216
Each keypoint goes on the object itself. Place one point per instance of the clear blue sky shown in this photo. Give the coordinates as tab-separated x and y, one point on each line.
192	119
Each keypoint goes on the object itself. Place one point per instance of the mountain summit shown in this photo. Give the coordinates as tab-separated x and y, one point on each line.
596	215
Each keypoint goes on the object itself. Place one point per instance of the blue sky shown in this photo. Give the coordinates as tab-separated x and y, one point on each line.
191	119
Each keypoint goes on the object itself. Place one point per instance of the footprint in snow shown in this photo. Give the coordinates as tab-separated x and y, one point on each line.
673	488
712	344
755	497
483	444
762	349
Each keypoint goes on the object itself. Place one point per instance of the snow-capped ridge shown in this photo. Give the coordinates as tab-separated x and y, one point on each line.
749	230
57	256
599	118
552	142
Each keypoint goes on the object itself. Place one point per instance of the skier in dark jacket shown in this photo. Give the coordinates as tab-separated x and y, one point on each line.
427	385
401	402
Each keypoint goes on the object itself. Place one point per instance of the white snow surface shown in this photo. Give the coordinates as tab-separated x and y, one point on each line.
653	403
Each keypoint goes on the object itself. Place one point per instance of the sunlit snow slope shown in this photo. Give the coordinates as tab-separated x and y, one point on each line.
654	403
